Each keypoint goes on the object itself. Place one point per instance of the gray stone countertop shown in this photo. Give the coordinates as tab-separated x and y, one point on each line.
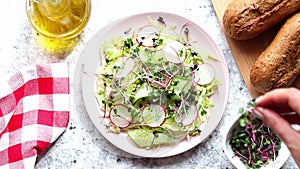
80	146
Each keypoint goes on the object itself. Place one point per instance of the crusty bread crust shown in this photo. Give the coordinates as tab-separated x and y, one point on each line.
279	64
246	19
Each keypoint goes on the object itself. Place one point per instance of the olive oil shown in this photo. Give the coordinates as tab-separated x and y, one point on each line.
58	18
58	22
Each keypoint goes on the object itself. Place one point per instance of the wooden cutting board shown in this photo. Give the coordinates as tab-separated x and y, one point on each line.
246	52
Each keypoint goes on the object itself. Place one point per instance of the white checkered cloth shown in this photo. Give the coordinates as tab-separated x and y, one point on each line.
34	112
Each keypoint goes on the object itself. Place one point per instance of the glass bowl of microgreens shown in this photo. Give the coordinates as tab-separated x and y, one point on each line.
250	144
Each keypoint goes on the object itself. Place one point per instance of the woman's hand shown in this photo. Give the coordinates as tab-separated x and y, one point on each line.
279	109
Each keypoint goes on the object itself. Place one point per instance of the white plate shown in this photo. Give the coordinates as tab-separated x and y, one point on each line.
91	54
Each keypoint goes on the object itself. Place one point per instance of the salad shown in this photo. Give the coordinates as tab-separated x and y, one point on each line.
254	143
154	85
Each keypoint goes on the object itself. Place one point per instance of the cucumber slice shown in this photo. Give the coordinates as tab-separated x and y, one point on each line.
145	138
161	138
141	137
141	92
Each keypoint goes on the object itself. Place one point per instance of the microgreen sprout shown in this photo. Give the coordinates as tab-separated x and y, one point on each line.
255	143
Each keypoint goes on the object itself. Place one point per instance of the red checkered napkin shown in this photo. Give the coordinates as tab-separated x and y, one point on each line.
34	112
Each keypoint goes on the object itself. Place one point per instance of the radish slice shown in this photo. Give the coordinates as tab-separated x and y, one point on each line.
204	74
126	68
171	52
146	35
188	117
146	40
154	115
120	116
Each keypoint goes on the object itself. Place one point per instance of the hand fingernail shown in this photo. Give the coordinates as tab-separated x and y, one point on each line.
258	99
256	112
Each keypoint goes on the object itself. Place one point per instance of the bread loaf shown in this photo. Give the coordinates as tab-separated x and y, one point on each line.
279	64
246	19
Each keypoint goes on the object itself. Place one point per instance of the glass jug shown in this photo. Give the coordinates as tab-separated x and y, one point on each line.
59	19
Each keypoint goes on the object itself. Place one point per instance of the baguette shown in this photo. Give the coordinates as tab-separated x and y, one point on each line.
246	19
279	64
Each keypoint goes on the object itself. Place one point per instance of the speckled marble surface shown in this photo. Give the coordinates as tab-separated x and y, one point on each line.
81	145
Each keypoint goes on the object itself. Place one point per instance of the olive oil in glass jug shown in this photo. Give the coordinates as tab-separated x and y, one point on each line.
58	22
